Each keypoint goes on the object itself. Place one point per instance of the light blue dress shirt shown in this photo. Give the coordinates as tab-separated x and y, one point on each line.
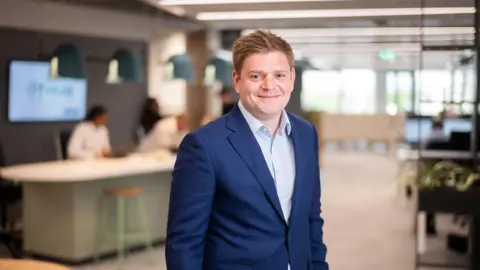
279	155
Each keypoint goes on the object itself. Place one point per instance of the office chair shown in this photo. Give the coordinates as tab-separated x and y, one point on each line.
10	194
139	134
61	144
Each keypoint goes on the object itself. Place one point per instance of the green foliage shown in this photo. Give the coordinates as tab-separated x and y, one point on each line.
445	174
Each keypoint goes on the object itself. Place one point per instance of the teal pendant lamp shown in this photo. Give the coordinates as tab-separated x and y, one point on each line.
125	66
219	70
68	61
179	67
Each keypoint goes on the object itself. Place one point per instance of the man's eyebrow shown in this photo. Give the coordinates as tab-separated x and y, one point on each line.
262	72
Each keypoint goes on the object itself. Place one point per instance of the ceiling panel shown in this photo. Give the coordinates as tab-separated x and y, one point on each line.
444	20
335	4
351	52
401	21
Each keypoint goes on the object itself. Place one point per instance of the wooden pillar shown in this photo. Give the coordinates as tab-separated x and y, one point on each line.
197	93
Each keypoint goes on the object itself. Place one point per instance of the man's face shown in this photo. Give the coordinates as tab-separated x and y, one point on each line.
265	84
101	120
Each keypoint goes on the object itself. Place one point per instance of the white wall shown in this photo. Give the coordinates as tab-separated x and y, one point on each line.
171	95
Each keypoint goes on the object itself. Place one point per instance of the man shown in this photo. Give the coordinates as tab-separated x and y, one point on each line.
166	134
246	190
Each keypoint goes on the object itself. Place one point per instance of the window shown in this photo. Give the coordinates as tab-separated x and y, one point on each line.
320	91
443	89
399	91
358	91
346	91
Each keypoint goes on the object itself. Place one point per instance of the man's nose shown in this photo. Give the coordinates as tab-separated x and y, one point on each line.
267	83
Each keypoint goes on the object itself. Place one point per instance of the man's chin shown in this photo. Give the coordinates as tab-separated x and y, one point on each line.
270	112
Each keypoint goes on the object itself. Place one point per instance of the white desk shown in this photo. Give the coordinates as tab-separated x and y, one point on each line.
88	170
406	154
61	201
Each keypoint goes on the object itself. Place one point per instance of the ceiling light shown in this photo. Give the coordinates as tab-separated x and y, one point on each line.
327	40
376	31
357	51
176	10
330	13
405	47
223	2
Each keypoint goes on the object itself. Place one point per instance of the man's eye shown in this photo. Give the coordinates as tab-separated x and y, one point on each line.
281	75
255	76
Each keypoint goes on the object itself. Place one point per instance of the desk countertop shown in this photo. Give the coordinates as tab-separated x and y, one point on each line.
86	170
406	154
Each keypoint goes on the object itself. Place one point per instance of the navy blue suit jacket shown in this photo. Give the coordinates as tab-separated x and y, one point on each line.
224	211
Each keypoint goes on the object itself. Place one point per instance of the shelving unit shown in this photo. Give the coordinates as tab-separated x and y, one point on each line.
450	201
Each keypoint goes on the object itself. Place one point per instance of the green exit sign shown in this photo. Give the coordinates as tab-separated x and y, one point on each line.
387	55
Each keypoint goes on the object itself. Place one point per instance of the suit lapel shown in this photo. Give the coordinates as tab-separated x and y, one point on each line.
300	163
249	150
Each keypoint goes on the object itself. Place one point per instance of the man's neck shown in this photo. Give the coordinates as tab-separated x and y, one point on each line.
272	122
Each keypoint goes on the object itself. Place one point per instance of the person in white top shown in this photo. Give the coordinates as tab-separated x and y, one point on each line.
90	139
165	135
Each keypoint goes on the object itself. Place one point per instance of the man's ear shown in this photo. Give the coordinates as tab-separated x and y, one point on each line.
293	74
235	78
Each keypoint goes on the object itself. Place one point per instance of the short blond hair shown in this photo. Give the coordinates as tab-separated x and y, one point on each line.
259	41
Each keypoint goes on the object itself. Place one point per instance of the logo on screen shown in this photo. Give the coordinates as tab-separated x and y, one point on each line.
38	90
34	89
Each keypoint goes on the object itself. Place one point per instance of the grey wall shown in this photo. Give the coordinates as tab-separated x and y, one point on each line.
34	142
295	103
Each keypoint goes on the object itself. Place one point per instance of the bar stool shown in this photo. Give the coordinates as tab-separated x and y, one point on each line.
122	196
13	264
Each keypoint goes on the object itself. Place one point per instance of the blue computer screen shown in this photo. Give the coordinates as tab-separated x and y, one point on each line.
36	97
418	129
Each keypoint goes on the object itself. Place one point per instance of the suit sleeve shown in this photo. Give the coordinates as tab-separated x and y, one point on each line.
319	250
191	197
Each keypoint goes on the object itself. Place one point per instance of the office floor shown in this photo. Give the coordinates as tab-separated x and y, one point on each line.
368	224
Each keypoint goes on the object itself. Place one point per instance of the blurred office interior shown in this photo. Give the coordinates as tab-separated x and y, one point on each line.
391	87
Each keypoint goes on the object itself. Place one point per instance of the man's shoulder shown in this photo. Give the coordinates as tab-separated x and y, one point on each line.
213	130
82	126
300	123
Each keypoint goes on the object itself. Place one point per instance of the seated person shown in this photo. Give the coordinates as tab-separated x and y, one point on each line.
90	138
150	115
165	135
437	134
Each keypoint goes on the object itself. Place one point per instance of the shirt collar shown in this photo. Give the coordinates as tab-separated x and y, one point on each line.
257	126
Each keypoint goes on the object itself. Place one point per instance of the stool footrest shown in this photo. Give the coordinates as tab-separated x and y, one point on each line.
128	236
